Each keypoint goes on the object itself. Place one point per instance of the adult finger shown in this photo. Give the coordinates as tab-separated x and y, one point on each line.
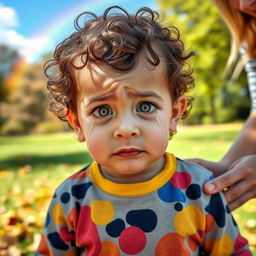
212	166
241	200
223	181
237	190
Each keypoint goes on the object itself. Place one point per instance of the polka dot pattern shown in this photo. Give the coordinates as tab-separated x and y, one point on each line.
188	221
66	235
172	245
108	248
80	190
168	193
57	215
65	197
217	210
146	219
102	212
115	227
56	242
48	220
132	240
193	192
178	207
176	219
181	180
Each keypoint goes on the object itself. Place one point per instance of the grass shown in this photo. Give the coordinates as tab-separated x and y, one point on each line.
32	167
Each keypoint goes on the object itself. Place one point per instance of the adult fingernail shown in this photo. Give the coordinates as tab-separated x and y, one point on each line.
210	187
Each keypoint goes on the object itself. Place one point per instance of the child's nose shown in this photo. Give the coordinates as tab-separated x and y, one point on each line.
126	129
126	133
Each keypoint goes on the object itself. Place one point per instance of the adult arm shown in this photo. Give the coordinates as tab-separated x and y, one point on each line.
237	169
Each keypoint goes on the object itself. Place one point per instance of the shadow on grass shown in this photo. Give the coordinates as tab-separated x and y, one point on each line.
37	160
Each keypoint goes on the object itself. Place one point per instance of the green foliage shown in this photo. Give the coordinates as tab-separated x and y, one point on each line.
204	32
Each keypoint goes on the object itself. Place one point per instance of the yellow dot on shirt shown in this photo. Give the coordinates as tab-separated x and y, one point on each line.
102	212
224	246
57	215
189	220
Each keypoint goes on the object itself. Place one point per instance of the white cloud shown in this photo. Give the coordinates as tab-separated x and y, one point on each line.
29	48
8	17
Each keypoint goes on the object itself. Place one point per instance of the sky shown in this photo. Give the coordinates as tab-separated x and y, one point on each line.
35	27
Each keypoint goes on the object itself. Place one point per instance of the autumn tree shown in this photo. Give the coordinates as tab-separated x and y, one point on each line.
7	59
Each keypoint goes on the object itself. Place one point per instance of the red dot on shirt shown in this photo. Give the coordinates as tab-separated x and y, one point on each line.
132	240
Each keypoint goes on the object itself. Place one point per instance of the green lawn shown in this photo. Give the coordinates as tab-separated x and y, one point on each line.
32	166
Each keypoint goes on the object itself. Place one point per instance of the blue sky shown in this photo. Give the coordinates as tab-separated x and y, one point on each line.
35	27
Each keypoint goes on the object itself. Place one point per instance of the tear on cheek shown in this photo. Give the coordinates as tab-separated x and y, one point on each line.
88	134
162	134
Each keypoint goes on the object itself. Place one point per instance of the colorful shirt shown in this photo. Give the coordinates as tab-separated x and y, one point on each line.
167	215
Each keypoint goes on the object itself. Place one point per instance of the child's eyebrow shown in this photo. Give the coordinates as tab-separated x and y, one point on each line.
145	95
112	96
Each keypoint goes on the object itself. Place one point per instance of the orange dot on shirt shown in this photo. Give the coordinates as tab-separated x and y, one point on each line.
209	223
71	253
195	240
109	248
171	244
72	218
43	247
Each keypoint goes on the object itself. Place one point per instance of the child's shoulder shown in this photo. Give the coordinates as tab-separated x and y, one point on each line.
76	180
197	172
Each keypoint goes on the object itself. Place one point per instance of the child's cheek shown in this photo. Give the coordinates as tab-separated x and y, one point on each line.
94	139
161	133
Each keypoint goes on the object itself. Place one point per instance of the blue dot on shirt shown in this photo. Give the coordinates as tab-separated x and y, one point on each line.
178	207
168	193
48	220
65	197
144	219
56	242
80	190
217	210
193	191
115	227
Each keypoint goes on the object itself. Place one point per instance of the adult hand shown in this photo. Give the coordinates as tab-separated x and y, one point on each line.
238	182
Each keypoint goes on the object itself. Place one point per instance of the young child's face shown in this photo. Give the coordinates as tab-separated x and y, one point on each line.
126	117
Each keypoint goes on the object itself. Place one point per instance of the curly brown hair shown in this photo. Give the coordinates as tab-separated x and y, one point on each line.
116	39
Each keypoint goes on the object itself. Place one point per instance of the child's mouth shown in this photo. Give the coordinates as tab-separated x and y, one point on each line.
128	152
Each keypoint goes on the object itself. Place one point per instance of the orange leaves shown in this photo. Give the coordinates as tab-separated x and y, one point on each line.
23	208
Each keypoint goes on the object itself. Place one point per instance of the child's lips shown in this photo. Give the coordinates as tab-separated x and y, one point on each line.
128	152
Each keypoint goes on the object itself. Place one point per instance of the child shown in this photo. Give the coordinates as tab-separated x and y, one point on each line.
122	82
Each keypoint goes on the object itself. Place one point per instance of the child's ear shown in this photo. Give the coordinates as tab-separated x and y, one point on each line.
75	124
178	109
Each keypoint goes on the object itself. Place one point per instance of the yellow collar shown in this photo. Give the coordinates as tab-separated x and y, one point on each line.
134	189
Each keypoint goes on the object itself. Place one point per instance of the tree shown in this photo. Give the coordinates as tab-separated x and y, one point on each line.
204	32
7	58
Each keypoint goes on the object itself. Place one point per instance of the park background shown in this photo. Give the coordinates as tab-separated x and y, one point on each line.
38	151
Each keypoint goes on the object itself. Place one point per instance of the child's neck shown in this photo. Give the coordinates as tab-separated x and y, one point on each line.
135	179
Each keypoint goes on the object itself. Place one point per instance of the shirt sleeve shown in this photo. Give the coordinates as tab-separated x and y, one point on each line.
222	236
58	236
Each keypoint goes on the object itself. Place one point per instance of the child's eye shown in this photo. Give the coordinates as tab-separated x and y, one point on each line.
145	107
102	111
